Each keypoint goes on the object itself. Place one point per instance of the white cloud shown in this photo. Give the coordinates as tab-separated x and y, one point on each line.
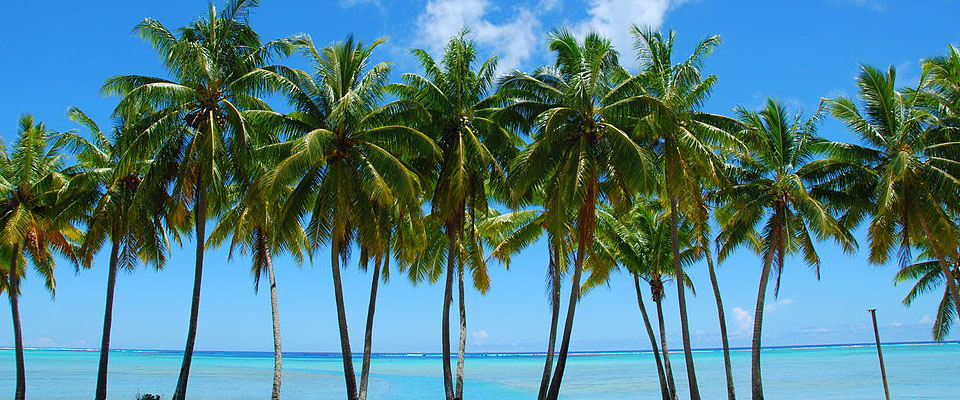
613	19
514	40
743	320
926	320
778	304
896	324
480	336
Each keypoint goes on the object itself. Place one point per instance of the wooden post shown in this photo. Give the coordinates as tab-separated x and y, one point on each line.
883	369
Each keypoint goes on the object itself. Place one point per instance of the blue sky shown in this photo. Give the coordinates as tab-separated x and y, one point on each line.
56	55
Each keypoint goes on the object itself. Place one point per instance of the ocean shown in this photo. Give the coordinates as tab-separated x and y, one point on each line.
915	370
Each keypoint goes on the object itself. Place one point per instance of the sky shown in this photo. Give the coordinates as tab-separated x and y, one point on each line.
57	54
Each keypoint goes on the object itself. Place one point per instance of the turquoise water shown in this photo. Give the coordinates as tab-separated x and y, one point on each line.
916	371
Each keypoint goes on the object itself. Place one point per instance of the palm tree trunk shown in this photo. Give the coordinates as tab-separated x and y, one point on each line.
728	369
101	393
452	236
462	350
275	313
681	298
666	352
200	215
349	375
13	292
944	266
585	225
368	333
756	384
664	390
554	321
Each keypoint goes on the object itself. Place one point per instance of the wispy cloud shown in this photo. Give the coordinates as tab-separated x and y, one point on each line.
480	336
49	342
772	307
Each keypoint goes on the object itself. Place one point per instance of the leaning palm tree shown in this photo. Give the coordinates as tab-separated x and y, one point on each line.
906	166
200	137
130	218
638	239
253	225
774	206
201	134
474	147
37	212
927	276
579	112
351	160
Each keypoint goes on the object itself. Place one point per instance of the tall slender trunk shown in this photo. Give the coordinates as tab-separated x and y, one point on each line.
368	333
585	225
682	299
13	292
452	236
101	393
728	369
666	352
554	321
349	375
200	214
756	384
944	265
664	389
462	349
275	313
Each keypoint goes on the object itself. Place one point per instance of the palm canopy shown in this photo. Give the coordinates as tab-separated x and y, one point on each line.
580	113
686	137
37	210
927	276
907	164
459	98
122	210
426	259
253	223
215	67
351	154
773	203
638	240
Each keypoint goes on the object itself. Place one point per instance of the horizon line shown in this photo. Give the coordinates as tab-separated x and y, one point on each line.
490	353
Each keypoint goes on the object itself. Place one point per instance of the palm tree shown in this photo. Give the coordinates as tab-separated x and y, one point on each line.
510	233
638	239
396	228
907	167
36	217
683	136
253	223
200	137
426	260
474	148
928	276
130	218
579	113
774	206
352	159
